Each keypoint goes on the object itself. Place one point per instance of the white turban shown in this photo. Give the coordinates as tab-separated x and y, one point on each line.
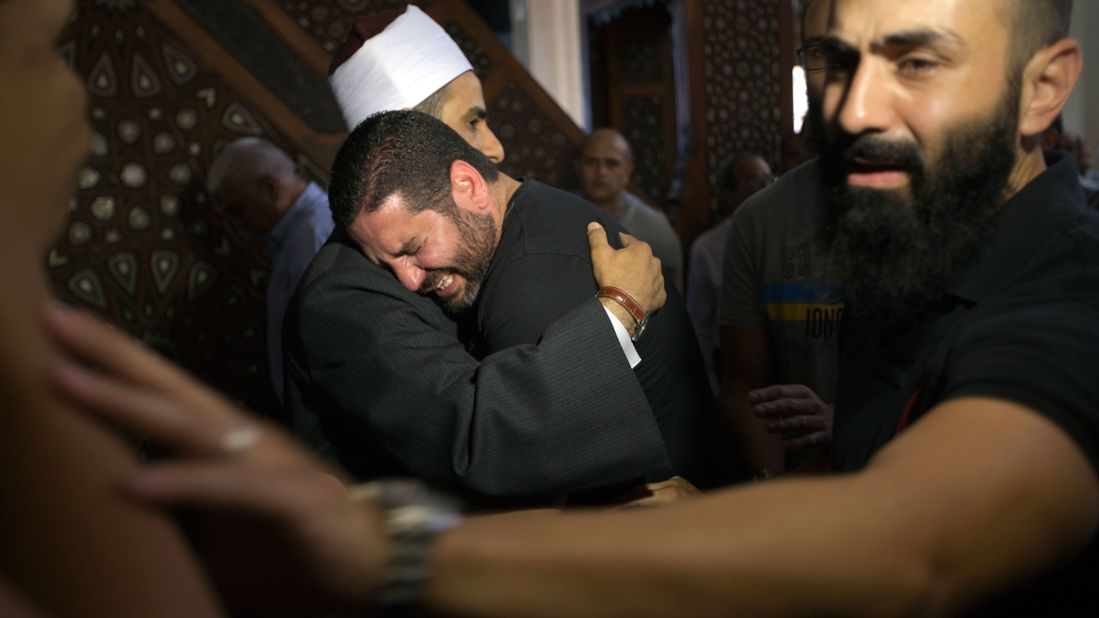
392	61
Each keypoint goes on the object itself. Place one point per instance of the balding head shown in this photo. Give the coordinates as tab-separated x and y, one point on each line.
739	176
255	181
605	166
607	138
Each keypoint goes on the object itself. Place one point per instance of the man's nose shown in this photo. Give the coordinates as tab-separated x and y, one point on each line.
491	146
410	275
867	103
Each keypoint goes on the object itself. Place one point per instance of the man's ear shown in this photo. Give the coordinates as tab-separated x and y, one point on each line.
1048	80
468	187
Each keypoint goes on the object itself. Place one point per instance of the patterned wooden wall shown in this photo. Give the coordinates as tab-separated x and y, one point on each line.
143	247
328	21
632	81
742	79
731	94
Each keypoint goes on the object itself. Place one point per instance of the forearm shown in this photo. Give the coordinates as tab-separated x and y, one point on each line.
715	556
748	361
758	451
909	535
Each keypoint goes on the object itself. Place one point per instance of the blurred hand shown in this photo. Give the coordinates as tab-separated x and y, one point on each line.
274	526
633	268
663	492
795	412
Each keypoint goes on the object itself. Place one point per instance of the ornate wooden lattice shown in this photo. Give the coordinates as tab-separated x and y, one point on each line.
328	21
643	127
536	147
478	57
632	81
143	246
742	79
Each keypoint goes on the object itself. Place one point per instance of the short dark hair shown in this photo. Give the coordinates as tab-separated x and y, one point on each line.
1033	25
400	152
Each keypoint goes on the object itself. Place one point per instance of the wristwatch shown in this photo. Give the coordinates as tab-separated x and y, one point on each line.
637	312
414	515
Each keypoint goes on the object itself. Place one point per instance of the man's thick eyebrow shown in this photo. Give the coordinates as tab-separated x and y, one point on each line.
831	43
813	41
476	113
916	38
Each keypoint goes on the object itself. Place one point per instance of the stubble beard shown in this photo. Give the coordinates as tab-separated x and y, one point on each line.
474	257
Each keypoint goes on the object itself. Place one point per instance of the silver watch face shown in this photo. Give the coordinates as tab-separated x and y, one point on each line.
640	328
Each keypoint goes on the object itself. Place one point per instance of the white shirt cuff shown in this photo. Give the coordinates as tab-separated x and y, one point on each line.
624	340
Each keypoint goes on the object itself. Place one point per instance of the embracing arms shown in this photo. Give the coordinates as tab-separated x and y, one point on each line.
384	366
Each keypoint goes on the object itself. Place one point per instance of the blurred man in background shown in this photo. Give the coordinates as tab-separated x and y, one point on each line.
605	168
256	183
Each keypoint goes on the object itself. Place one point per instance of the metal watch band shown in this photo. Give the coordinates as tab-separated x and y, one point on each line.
414	515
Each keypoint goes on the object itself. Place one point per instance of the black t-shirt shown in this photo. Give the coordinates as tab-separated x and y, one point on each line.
542	268
1020	324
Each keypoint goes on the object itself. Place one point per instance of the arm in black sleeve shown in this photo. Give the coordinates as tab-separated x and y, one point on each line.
381	364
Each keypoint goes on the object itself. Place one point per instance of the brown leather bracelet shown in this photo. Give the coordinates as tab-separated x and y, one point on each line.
629	303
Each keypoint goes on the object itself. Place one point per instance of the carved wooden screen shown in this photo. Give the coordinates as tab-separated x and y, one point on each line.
143	247
169	83
735	56
744	78
632	84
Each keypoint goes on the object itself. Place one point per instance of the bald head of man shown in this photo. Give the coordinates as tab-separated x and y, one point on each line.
254	181
605	167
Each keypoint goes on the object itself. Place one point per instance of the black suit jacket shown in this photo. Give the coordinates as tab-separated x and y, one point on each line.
542	268
377	379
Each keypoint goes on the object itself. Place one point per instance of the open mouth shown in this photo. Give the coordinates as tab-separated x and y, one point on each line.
870	173
442	285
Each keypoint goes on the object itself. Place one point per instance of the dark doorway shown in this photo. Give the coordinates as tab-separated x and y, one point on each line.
631	81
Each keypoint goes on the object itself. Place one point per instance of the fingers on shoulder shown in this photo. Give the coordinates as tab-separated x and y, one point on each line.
636	244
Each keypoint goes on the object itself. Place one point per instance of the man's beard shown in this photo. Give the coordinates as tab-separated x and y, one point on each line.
895	251
478	244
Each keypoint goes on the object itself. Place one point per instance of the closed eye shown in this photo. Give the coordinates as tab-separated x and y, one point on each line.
410	248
